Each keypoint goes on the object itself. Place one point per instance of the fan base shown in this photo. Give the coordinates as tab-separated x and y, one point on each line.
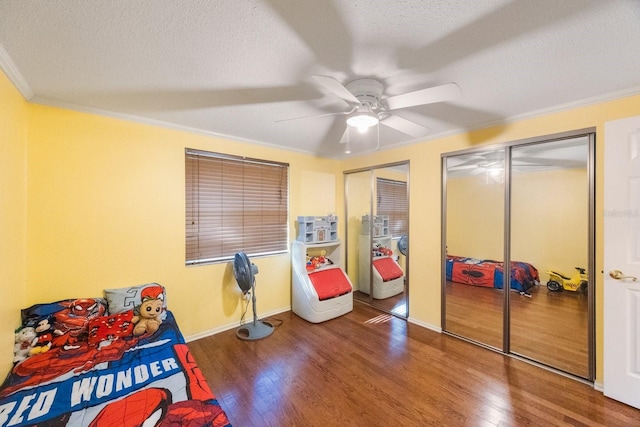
254	331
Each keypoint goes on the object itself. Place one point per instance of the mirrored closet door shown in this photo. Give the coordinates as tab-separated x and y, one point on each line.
377	212
550	232
527	205
474	246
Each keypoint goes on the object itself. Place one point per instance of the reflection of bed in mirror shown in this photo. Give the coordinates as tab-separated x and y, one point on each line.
488	273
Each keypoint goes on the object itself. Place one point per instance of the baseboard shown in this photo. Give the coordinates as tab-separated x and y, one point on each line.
229	326
434	328
598	386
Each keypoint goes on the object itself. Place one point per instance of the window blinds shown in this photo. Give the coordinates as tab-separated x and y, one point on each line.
234	204
392	201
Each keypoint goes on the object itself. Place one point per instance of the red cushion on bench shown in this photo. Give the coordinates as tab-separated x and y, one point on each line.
330	283
388	269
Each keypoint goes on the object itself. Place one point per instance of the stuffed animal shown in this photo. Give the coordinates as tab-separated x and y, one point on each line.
23	343
148	319
44	336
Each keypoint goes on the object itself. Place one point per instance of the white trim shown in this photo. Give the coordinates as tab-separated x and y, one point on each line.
14	75
598	386
611	96
18	80
160	123
154	122
434	328
229	326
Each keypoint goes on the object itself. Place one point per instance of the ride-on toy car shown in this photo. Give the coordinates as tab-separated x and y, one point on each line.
577	283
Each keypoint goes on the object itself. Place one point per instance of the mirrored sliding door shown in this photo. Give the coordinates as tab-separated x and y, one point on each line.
377	212
527	205
358	205
550	236
474	215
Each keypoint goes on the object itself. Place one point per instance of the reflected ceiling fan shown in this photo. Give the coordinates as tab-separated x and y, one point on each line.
368	106
477	167
493	164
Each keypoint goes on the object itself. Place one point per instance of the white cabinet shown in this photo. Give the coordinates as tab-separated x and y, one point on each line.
318	229
381	238
305	299
302	255
375	247
380	225
379	247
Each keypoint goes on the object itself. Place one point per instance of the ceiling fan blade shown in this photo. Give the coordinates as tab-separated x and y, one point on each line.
445	92
328	30
337	88
473	160
462	167
405	126
340	113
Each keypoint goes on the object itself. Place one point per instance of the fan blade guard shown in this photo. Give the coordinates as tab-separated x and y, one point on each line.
243	271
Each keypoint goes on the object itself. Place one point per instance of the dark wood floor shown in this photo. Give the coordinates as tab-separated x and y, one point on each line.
549	327
396	304
371	369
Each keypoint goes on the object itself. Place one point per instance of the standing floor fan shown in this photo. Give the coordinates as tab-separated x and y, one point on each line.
403	245
245	272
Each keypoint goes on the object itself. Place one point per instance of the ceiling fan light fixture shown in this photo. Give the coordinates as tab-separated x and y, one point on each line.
362	120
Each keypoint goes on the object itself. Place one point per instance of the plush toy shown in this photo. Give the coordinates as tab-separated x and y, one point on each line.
44	336
23	343
148	319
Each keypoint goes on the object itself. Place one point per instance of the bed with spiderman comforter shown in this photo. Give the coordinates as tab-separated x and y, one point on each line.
488	273
78	362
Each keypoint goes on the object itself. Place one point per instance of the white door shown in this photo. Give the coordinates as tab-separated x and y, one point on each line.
622	260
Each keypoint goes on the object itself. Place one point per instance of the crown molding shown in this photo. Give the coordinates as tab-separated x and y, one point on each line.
154	122
14	75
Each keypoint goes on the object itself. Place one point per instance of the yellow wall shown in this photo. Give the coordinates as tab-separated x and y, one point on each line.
475	217
425	202
359	204
550	221
106	209
13	225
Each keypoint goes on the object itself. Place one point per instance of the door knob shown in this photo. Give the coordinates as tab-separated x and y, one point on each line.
619	275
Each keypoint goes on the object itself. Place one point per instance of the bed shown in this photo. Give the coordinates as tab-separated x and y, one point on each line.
85	367
489	273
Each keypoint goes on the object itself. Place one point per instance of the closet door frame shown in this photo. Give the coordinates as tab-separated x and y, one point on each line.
350	240
508	147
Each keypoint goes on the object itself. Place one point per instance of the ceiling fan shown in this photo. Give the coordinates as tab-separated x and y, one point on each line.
369	108
492	163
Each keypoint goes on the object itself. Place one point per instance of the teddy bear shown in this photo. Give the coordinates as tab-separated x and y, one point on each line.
148	319
23	342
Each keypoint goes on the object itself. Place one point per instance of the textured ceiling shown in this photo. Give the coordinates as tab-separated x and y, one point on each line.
236	67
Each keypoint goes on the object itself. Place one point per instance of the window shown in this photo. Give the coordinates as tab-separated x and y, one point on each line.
392	201
234	204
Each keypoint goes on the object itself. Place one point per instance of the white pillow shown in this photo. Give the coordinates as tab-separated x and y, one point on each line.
123	299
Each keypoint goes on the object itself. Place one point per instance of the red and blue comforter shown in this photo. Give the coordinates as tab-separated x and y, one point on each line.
147	380
488	273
